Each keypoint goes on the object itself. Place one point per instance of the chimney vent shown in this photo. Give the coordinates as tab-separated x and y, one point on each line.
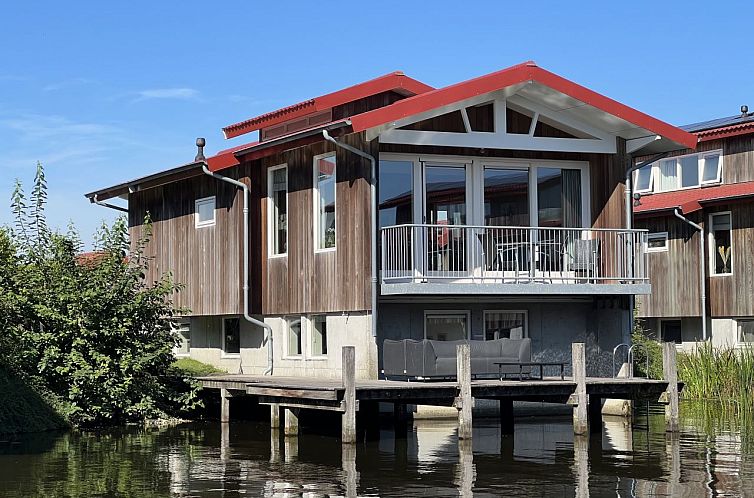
200	143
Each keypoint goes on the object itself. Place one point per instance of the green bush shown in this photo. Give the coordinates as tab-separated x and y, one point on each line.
194	368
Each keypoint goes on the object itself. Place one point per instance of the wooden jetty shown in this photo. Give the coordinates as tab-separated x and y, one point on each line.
288	395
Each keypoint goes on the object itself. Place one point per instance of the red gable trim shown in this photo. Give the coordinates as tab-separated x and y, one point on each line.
692	199
227	158
726	131
396	81
528	71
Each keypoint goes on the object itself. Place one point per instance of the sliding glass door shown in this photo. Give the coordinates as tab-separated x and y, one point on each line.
445	199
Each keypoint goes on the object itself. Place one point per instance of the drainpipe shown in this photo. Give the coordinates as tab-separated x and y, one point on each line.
268	329
702	293
373	194
107	205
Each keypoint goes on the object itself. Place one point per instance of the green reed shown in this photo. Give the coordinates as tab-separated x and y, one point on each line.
718	374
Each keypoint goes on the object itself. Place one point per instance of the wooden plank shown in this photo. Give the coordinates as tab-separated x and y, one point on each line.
670	373
290	425
463	366
578	362
349	397
280	392
224	406
335	406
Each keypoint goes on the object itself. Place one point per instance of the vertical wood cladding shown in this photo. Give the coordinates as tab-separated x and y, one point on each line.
674	274
738	159
307	282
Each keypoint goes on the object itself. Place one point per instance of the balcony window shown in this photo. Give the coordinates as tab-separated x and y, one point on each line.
506	197
324	201
446	325
721	248
396	192
504	325
278	210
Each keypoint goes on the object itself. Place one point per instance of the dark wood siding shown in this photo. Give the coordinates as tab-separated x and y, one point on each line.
307	282
738	159
674	274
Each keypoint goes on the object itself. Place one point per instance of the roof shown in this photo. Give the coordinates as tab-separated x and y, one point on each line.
691	200
395	81
629	119
722	127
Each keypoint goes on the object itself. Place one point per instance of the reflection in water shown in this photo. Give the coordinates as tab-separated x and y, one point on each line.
709	457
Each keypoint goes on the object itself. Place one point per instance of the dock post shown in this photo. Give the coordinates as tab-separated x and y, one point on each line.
349	397
224	406
506	416
275	416
291	422
400	420
463	364
578	366
670	373
595	414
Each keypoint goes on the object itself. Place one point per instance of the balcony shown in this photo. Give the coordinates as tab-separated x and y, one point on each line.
463	259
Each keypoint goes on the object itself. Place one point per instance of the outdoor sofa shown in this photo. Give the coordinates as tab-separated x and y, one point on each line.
427	359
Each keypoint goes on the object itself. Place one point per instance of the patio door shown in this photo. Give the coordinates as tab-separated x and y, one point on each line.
444	207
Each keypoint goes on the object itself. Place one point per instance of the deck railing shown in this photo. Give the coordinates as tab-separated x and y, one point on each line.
497	254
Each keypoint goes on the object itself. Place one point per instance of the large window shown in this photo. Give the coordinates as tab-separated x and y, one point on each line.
278	209
324	201
445	188
319	335
692	170
559	197
231	336
446	325
396	192
504	325
506	197
294	332
204	212
721	249
745	331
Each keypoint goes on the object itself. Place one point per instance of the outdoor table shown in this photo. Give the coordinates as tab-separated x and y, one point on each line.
540	364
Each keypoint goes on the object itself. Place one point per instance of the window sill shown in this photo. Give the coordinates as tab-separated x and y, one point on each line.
329	249
229	356
318	358
293	358
721	274
277	256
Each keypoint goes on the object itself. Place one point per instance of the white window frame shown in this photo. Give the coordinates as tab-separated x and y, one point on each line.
651	180
179	325
466	313
713	249
487	312
225	354
270	208
310	338
287	330
719	177
738	321
655	176
658	235
199	202
316	201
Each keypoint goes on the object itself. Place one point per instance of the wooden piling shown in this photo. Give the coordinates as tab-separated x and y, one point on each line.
670	373
464	402
275	416
578	367
400	420
349	397
506	416
290	428
595	414
224	405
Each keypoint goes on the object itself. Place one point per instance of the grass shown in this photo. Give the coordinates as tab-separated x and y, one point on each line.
193	368
719	374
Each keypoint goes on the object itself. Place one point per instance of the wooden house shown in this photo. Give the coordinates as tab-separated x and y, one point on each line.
499	210
702	273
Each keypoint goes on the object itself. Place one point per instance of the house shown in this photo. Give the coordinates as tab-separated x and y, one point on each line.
499	210
701	269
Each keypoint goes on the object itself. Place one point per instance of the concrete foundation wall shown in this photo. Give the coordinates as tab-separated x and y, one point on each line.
552	326
723	332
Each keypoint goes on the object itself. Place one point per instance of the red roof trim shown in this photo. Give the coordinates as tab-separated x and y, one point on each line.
726	131
527	71
227	158
692	199
396	81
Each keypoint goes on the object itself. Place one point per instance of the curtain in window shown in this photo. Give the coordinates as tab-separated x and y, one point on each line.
571	198
668	175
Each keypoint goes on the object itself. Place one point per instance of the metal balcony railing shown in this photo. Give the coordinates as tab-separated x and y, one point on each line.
496	254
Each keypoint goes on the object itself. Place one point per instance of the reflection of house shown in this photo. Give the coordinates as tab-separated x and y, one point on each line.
501	213
714	188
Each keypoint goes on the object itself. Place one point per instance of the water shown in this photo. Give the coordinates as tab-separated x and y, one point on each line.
712	456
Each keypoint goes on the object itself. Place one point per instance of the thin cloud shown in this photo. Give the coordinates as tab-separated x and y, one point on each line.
61	85
167	93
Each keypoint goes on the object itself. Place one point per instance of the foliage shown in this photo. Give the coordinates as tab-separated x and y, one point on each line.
646	346
720	374
90	330
193	368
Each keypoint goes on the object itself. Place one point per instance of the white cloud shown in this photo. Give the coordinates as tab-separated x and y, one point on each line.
167	93
60	85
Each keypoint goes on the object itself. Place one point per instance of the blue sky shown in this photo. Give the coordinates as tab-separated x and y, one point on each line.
103	92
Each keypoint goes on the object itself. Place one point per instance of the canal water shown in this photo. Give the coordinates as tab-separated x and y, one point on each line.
712	456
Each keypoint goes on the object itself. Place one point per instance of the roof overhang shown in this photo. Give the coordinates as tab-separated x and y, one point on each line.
692	200
150	181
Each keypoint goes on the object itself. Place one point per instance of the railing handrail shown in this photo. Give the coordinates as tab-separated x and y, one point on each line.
498	227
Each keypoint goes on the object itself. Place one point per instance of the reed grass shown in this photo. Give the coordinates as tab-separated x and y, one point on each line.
718	374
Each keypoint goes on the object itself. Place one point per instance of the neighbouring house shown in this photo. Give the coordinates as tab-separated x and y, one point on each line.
501	212
705	270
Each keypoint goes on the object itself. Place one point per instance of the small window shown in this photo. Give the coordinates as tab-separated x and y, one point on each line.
721	250
504	325
204	212
689	171
324	201
319	335
183	331
657	242
745	331
446	325
711	168
643	179
278	210
671	331
232	335
294	337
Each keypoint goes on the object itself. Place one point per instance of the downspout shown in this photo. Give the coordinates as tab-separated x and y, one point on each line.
107	205
268	329
373	194
702	293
